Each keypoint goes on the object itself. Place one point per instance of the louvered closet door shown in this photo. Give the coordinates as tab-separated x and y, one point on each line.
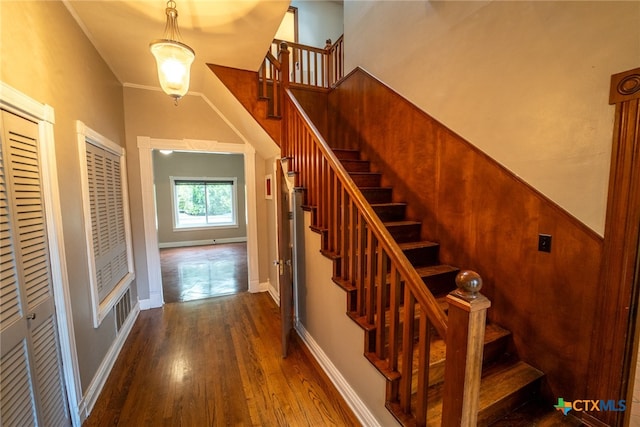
32	389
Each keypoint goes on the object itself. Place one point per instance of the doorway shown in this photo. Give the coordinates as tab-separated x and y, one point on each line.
146	145
201	223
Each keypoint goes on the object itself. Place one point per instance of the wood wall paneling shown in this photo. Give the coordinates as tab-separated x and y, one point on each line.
486	219
314	103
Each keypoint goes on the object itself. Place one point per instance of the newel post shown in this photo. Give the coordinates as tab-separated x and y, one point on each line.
283	58
328	63
465	341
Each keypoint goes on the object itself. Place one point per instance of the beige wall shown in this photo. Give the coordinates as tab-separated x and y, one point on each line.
321	311
180	164
527	82
46	56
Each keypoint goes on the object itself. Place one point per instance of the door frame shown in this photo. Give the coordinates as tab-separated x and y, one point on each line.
145	147
617	297
26	107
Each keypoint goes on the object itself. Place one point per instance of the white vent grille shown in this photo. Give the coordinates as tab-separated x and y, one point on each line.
122	309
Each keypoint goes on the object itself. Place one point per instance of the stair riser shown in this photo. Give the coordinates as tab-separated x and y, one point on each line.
442	283
367	180
390	212
377	195
347	154
405	233
422	256
355	165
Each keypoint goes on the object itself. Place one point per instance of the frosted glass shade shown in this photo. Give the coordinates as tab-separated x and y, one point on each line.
173	60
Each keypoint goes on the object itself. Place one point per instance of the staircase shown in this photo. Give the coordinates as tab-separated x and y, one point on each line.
397	290
507	383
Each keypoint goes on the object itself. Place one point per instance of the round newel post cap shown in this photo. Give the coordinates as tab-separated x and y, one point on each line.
469	284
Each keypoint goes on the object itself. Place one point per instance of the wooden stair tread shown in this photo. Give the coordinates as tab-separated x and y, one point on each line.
500	384
390	204
434	270
374	189
416	245
539	414
354	165
364	173
497	385
401	223
504	377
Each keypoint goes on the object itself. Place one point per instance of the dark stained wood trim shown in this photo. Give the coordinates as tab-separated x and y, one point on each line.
610	355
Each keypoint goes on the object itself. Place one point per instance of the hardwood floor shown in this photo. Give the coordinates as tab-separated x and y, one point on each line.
216	362
198	272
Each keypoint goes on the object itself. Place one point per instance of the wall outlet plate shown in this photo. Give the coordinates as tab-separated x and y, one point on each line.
544	242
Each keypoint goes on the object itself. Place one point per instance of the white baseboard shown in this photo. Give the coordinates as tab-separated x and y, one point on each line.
93	391
275	294
356	404
255	285
201	242
264	286
154	301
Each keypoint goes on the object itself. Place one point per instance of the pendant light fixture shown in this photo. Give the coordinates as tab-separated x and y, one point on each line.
173	58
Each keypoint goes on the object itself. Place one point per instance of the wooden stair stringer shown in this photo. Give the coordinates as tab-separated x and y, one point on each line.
243	84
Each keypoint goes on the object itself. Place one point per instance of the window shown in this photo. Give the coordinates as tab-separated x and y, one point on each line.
106	220
204	202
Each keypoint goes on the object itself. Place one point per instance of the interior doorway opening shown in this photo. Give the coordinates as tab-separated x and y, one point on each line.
146	146
201	221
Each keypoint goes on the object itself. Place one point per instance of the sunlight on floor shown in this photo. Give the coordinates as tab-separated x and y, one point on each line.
200	272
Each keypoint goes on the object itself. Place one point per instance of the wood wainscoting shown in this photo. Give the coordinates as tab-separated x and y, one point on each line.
486	219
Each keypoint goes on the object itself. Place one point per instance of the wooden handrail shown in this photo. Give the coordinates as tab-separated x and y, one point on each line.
427	300
273	77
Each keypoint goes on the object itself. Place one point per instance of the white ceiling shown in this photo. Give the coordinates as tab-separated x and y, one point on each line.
235	33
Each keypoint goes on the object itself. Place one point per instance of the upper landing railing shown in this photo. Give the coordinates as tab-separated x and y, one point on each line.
307	66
